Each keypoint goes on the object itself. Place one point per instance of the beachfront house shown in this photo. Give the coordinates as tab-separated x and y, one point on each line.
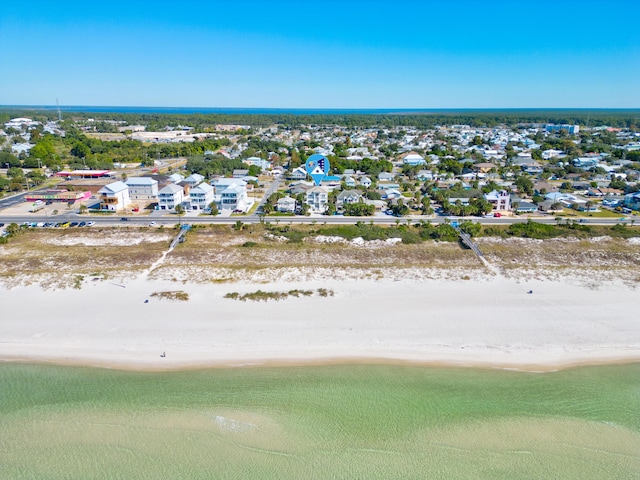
114	196
317	199
500	200
142	188
170	197
231	194
201	196
348	197
286	205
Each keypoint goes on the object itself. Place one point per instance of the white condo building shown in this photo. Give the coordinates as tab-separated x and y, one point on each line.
201	196
170	197
231	194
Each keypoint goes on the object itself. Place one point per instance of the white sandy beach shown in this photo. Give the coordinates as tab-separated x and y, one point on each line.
489	322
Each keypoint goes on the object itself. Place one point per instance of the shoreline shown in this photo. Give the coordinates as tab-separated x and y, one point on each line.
541	368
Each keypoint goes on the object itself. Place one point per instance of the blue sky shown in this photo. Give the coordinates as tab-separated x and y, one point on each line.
323	54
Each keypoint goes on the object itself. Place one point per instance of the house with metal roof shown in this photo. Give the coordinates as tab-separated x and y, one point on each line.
231	194
142	188
114	196
348	197
201	196
170	197
286	205
317	199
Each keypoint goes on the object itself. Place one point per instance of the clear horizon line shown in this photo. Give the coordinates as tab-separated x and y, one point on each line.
309	108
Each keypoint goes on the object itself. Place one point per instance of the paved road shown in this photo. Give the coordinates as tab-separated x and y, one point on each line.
273	187
11	201
333	220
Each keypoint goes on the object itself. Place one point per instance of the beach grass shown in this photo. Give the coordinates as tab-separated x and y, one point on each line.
324	422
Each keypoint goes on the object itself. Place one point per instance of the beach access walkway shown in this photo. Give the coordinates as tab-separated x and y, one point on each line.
466	240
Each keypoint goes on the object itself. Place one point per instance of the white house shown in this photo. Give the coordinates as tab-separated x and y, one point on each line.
413	158
201	196
231	194
114	196
298	174
170	197
349	182
501	200
142	188
386	176
317	199
365	182
286	205
348	196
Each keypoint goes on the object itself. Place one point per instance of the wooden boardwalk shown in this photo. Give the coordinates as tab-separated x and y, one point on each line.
466	240
177	239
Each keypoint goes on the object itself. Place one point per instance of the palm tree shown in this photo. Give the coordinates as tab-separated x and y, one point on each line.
179	211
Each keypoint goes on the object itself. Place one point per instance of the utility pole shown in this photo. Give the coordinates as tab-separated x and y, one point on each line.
59	112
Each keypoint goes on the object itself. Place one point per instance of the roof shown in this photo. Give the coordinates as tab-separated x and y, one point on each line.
286	200
114	187
83	173
203	187
195	177
349	193
146	181
317	190
171	188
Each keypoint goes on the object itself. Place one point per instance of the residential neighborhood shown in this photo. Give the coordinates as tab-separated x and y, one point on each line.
461	170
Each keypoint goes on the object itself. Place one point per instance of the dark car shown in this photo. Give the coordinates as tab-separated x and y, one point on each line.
73	224
124	219
82	224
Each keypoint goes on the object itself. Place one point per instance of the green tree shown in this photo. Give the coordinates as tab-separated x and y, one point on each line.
8	160
179	209
524	184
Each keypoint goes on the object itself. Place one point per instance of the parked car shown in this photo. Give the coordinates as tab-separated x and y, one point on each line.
91	223
73	224
151	224
82	224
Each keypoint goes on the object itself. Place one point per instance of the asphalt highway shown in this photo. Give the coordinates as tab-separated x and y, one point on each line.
133	220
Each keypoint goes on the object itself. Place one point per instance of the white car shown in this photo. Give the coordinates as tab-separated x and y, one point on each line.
91	224
152	224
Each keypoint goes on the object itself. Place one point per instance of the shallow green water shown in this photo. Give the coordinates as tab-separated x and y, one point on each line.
354	421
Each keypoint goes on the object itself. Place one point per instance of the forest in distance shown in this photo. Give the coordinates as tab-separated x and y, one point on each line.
618	118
